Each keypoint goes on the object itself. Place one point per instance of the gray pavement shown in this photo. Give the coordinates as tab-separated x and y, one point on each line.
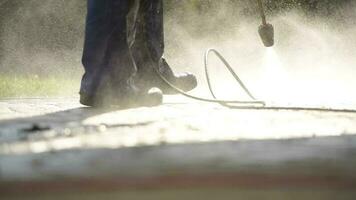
176	121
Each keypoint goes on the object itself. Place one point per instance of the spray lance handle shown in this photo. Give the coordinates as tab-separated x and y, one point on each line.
265	30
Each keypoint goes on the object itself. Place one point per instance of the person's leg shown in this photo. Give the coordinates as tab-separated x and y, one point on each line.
154	28
97	33
118	55
120	61
107	59
148	50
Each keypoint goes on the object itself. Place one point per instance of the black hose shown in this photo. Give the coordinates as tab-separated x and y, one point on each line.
250	105
227	65
215	100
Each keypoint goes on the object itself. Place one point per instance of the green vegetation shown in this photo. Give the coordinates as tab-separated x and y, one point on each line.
34	86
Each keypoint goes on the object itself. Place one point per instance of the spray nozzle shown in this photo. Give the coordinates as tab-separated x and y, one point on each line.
266	32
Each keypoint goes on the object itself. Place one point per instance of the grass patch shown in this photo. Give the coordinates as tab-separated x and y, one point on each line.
35	86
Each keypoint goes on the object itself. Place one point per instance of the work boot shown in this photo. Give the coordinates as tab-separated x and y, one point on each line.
129	97
149	78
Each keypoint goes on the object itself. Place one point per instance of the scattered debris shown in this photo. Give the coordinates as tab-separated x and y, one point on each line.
36	128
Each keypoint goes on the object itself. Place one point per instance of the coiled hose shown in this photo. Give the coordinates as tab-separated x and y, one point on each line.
238	104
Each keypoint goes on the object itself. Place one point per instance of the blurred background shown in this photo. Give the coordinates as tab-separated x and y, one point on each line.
312	62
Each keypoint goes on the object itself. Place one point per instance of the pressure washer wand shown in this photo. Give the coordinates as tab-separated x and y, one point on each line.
265	30
262	12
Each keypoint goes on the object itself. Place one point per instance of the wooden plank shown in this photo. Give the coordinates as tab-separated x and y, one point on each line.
329	156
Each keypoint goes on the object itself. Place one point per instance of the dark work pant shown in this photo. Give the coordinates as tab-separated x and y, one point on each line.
113	28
